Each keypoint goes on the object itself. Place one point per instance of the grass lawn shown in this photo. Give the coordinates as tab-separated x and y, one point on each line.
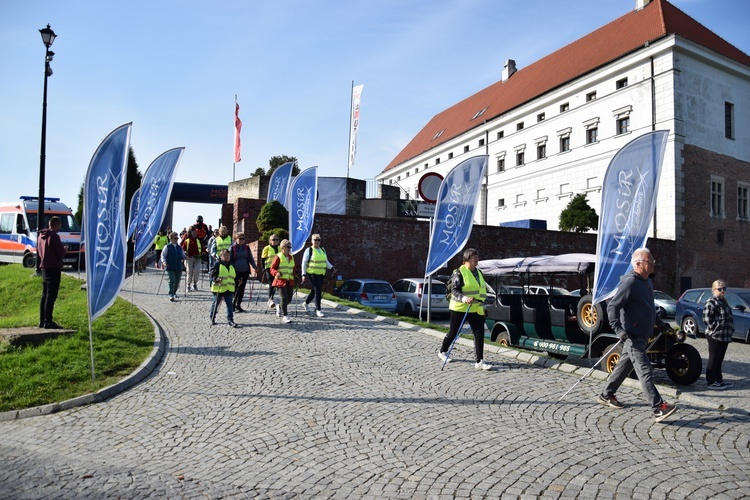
60	369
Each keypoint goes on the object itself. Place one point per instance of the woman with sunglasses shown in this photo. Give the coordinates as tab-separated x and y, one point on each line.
284	270
717	315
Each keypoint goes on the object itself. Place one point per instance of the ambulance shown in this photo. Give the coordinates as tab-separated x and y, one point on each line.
18	225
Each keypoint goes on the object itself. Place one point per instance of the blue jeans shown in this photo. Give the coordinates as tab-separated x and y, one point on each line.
228	297
634	357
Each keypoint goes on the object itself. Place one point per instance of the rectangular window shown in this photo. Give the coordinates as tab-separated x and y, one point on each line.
591	135
564	144
729	120
501	134
450	156
501	202
743	206
501	164
564	107
590	96
717	196
540	117
623	124
481	142
437	161
519	158
519	126
541	151
466	149
621	84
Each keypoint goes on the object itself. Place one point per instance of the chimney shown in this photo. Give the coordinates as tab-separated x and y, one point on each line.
639	4
508	69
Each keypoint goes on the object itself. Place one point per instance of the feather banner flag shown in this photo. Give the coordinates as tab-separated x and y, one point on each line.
237	130
302	197
278	185
454	213
629	191
104	220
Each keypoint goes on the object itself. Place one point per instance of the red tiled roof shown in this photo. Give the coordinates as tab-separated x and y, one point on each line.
610	42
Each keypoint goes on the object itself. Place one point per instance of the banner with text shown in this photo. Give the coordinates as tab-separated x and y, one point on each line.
354	123
278	185
302	198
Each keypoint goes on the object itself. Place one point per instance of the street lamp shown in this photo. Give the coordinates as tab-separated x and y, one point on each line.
48	37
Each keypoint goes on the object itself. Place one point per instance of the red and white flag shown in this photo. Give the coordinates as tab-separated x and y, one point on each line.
237	129
354	124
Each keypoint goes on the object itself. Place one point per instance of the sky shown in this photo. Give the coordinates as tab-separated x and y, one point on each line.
173	68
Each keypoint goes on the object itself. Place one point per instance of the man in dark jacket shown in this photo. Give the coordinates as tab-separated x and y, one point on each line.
632	316
51	252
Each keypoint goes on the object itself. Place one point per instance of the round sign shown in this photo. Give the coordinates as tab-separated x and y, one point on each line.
429	186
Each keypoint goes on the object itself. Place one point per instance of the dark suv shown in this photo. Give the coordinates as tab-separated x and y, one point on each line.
689	311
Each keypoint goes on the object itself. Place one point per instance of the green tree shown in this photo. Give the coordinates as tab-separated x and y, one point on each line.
273	219
277	161
258	172
578	216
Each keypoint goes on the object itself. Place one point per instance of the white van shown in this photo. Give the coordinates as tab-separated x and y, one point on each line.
18	225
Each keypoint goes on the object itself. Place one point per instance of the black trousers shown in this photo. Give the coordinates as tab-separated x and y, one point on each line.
316	280
716	352
50	288
239	287
269	279
476	322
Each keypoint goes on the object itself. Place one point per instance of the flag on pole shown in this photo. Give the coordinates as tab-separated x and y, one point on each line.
153	199
454	213
237	129
104	220
354	123
278	185
629	191
133	215
302	197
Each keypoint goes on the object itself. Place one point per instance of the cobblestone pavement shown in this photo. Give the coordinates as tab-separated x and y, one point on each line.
352	407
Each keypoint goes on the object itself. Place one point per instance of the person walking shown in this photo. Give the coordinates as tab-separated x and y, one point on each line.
632	316
468	293
314	267
223	277
201	230
171	259
242	259
717	315
221	242
209	247
283	270
51	252
266	260
160	241
193	250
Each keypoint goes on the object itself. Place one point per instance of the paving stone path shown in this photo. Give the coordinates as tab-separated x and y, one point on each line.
347	406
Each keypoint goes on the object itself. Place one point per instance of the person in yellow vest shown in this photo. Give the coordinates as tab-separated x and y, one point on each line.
314	267
221	243
160	241
266	260
468	293
222	286
284	270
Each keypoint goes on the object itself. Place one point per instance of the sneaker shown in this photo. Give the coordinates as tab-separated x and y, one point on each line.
319	314
444	357
233	324
239	309
195	287
286	319
51	325
663	411
278	312
481	365
726	385
171	298
716	386
306	306
271	303
610	401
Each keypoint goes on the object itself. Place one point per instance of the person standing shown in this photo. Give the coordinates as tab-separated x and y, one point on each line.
193	250
717	315
223	278
160	241
632	316
283	269
468	293
314	267
209	246
222	242
171	259
266	260
51	252
242	259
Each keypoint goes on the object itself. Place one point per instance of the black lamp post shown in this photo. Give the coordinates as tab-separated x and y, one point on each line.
48	37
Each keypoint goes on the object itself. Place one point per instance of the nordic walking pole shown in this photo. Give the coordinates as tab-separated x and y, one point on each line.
217	303
592	369
162	279
458	334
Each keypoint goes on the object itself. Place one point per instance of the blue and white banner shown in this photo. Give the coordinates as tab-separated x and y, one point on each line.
454	213
278	186
104	220
156	188
629	191
132	216
302	198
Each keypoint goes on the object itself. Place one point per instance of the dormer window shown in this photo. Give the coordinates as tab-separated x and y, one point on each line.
438	134
479	113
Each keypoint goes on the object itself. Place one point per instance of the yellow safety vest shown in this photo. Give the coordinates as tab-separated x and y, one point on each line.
227	284
286	268
223	244
318	261
472	288
160	242
268	255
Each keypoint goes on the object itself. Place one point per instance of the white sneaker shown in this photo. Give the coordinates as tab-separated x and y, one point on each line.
286	319
306	306
270	303
278	312
482	366
320	314
444	357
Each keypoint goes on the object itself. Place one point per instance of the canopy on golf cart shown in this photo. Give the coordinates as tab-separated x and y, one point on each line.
575	263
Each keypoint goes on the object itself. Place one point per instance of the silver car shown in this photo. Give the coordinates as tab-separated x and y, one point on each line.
411	294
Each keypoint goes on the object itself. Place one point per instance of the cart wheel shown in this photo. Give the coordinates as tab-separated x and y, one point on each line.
592	318
608	363
684	364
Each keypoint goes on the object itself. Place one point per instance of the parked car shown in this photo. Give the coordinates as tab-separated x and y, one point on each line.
545	290
368	292
411	293
665	305
689	311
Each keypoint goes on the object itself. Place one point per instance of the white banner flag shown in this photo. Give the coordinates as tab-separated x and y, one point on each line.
354	123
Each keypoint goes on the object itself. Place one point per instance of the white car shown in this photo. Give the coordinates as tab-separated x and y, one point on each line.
545	290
